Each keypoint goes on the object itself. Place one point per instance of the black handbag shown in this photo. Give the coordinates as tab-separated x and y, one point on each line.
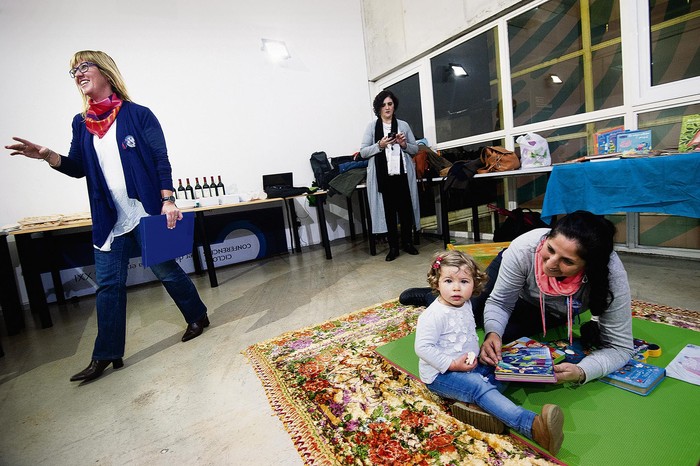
517	222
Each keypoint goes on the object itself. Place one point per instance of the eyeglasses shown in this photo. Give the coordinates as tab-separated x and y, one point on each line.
83	68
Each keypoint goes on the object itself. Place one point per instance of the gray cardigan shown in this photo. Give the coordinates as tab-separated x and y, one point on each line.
516	279
368	149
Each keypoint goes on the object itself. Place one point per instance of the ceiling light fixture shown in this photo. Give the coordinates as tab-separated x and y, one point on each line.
276	49
458	69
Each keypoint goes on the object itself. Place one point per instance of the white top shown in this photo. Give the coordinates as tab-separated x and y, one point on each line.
129	211
443	333
393	154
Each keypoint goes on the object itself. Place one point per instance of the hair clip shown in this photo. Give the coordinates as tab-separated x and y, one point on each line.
436	264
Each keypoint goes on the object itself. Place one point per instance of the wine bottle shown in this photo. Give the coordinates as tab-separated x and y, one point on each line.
197	188
205	188
213	188
180	193
188	190
220	187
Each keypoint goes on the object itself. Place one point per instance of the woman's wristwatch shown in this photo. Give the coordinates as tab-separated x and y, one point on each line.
170	198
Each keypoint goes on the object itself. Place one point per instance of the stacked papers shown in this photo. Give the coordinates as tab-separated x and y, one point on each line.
44	221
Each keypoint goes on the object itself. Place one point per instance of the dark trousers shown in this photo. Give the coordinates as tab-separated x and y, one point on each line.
396	198
111	268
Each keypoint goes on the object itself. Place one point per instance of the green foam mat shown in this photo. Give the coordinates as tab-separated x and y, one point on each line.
605	424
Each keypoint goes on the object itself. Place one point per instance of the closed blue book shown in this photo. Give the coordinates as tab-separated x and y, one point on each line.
159	244
637	377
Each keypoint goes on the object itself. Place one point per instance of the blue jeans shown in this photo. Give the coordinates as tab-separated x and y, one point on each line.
111	270
480	387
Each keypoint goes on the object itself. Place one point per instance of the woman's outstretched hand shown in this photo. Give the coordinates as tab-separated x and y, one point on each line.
491	349
28	149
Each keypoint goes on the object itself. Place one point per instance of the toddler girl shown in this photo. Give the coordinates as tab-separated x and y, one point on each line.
448	348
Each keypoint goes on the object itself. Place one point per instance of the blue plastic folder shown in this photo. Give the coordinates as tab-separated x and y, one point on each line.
159	244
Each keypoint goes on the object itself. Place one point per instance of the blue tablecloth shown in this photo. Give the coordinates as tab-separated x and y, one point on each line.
664	184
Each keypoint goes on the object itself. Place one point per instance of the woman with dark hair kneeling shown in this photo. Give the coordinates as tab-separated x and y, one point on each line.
545	278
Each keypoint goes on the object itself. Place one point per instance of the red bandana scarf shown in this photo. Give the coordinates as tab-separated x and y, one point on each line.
553	287
101	115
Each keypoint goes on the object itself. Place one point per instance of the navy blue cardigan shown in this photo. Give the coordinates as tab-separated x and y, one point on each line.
144	160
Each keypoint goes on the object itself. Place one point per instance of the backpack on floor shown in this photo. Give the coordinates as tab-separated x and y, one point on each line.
518	221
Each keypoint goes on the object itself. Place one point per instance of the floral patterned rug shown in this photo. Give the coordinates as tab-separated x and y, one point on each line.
676	317
342	403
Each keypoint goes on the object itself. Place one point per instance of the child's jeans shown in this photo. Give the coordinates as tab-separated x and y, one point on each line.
480	387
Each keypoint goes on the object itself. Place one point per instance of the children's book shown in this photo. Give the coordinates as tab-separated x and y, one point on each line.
634	142
526	342
636	376
525	364
573	353
686	365
689	138
605	140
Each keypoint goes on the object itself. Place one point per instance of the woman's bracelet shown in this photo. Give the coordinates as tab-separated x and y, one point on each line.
581	375
48	159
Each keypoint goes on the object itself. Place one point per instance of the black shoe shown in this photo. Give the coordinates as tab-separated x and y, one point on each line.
195	329
393	254
415	296
96	368
410	249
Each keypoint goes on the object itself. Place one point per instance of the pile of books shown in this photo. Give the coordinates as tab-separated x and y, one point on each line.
527	360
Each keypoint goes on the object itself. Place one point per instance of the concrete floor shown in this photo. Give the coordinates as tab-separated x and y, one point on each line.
200	402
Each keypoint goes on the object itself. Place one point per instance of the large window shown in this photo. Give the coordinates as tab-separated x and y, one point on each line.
410	107
466	89
675	35
565	59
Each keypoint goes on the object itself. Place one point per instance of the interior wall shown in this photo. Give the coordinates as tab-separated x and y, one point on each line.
397	31
224	107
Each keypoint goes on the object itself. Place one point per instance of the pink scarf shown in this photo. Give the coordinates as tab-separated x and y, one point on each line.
552	287
101	115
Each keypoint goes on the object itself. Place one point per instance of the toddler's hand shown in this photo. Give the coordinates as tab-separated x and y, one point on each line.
462	364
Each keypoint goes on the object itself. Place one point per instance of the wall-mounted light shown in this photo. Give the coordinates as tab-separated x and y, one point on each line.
458	70
276	49
555	79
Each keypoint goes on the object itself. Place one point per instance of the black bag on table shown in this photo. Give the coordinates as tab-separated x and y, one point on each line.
274	192
460	174
323	171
